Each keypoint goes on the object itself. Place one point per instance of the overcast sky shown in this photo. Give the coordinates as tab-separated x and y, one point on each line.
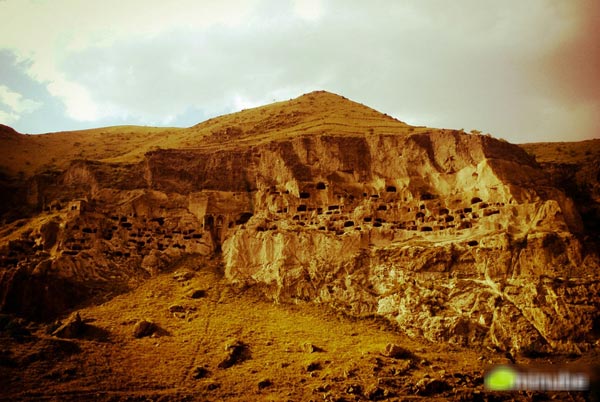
523	70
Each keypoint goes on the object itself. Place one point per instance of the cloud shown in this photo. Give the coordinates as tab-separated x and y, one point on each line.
13	105
47	33
521	70
217	71
308	9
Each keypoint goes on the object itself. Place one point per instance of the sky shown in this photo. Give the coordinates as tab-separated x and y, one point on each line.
525	71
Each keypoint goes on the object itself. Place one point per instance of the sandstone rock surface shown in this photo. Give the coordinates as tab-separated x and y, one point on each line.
454	237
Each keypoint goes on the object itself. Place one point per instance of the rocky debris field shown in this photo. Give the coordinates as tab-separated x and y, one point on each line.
234	344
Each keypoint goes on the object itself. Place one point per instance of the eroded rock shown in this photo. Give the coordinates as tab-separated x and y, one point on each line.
237	352
431	387
309	347
397	352
144	328
74	327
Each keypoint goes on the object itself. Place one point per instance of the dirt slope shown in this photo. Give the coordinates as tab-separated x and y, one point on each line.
290	352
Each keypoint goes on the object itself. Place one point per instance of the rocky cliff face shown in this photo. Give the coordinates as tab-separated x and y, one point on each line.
455	237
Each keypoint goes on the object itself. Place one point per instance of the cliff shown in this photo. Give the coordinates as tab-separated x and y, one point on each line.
453	237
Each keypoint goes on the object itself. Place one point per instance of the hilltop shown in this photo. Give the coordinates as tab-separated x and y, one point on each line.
581	152
317	112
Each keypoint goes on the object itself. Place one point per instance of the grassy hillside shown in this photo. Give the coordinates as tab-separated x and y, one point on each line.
564	152
316	112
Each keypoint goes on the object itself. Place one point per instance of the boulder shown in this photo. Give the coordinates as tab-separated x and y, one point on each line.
397	352
237	352
74	327
309	347
144	328
431	387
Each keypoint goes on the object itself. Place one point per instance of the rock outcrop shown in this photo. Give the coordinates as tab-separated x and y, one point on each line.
72	328
454	237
